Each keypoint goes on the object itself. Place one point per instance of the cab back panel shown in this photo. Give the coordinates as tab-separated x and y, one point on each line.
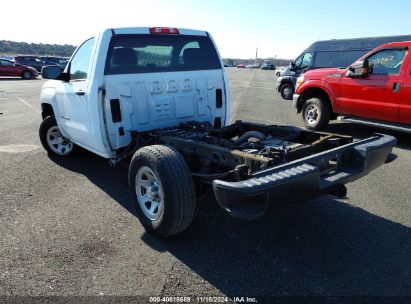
161	100
160	81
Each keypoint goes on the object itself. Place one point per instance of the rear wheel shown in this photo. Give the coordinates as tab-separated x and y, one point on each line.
287	91
26	75
52	140
162	190
316	113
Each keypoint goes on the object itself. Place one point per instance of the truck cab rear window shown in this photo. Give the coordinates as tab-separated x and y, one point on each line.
342	59
130	54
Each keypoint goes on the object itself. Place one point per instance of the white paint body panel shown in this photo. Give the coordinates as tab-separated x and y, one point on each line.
148	101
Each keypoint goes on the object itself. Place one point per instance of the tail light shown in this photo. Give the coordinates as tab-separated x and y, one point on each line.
164	30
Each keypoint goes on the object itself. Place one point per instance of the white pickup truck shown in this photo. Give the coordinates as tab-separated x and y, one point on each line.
161	96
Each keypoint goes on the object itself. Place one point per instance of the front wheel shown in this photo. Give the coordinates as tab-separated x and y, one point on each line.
287	91
26	75
52	140
162	190
316	113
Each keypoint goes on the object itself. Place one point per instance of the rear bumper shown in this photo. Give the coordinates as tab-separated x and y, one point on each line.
302	179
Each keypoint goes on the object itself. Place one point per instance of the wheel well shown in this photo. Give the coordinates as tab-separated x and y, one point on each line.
283	82
310	93
286	82
46	110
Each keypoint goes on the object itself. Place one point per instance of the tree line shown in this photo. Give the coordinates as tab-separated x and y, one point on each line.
23	48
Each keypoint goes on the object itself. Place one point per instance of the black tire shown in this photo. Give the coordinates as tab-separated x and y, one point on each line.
26	75
287	91
66	148
316	113
175	195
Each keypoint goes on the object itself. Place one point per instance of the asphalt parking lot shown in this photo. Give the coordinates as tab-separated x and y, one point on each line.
66	228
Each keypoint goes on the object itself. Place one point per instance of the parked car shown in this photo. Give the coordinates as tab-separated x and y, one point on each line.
375	90
160	96
61	62
10	68
328	54
278	73
31	61
266	66
241	66
252	66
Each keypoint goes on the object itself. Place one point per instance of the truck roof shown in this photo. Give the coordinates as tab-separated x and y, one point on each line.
396	43
366	43
146	30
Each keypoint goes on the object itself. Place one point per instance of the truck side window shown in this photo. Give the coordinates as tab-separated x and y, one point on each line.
387	62
342	59
81	61
306	61
303	62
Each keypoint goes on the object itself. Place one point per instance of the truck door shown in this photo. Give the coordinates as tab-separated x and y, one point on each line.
72	98
405	103
376	96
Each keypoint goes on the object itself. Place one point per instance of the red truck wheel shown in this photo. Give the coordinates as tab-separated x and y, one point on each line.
316	113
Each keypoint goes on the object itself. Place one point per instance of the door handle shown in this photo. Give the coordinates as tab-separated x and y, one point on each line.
80	93
396	86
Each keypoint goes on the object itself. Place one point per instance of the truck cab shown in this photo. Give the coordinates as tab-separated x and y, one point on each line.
134	80
373	90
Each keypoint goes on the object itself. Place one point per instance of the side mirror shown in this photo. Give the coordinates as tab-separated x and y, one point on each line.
51	72
292	66
359	69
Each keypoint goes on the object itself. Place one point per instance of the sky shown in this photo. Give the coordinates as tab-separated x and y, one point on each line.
278	28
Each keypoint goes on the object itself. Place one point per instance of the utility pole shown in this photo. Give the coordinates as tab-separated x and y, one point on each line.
256	55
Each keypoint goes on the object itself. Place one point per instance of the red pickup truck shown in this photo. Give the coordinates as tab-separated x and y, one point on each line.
375	90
